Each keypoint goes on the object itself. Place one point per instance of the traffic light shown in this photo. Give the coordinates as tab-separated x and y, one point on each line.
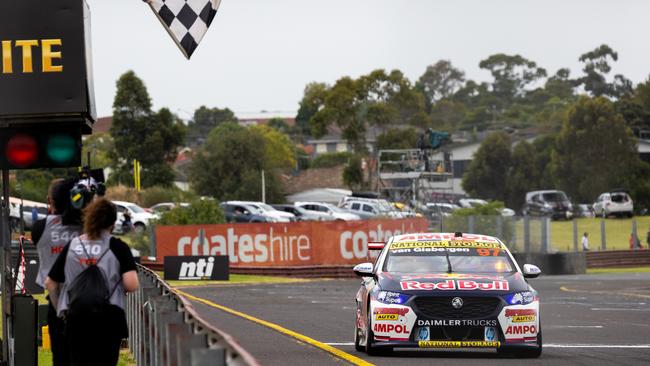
40	146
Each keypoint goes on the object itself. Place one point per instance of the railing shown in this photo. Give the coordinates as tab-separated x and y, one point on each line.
165	330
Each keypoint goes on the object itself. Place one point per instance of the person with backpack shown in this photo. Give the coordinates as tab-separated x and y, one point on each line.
50	235
91	276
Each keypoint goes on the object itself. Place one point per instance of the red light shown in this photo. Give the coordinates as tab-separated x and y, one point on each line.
22	150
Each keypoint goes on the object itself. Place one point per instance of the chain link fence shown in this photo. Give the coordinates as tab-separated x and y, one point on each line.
533	234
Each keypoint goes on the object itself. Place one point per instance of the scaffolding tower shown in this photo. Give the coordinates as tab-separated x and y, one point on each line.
411	175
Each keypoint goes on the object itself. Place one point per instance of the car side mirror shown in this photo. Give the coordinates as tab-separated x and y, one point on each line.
363	270
531	271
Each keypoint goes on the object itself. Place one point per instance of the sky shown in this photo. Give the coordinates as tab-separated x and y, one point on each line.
259	54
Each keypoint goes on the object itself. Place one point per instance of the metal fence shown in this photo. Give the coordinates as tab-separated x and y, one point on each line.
164	329
532	234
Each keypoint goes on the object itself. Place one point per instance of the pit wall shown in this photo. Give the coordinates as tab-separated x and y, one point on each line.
299	244
555	263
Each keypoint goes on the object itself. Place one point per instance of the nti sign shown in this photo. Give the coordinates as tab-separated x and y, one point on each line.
46	62
46	90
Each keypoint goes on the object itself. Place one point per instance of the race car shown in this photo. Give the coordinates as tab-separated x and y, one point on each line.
447	291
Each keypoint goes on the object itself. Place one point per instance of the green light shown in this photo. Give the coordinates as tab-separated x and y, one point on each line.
61	148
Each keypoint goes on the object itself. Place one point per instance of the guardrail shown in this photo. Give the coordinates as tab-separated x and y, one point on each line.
165	330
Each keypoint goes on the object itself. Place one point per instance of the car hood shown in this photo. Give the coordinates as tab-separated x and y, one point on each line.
452	284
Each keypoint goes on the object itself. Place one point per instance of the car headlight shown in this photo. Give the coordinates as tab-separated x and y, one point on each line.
389	297
520	298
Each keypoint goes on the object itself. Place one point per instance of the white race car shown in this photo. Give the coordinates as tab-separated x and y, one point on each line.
447	290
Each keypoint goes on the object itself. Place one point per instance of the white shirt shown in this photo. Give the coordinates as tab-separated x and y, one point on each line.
585	243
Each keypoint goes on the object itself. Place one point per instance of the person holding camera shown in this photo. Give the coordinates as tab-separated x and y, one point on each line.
93	273
50	235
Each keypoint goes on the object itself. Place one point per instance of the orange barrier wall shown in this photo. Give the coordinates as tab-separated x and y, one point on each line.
288	244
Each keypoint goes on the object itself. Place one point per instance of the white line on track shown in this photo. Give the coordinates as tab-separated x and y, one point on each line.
545	346
577	326
618	309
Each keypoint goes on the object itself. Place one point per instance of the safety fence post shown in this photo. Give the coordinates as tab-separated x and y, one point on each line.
526	234
603	238
575	234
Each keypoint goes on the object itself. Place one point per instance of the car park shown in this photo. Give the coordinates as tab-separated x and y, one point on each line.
583	210
330	209
163	207
304	215
241	213
446	291
365	210
474	202
441	208
617	203
378	207
268	211
140	218
551	203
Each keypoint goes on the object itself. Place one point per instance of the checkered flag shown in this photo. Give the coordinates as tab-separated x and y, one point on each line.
186	21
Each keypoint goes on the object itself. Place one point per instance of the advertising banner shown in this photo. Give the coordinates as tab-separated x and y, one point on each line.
284	244
196	268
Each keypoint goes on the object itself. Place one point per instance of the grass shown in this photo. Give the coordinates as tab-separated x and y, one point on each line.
45	358
617	233
236	279
618	270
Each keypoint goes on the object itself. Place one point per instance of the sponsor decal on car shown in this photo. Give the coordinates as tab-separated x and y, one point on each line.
444	244
452	275
520	323
457	322
458	344
392	322
447	236
463	285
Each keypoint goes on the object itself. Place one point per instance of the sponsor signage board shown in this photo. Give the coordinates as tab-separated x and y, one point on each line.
214	267
45	61
284	244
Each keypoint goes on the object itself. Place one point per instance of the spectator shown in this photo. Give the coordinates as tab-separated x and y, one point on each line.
647	239
94	339
635	242
50	236
585	242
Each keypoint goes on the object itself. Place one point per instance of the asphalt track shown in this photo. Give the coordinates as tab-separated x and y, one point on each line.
586	320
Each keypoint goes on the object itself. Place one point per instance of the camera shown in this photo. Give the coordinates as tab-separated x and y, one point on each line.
83	190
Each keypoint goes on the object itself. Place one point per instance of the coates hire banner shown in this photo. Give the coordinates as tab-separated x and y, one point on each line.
291	244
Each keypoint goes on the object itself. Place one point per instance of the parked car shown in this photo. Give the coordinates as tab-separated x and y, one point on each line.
26	215
365	210
336	212
617	203
163	207
243	213
439	208
474	202
269	211
583	210
140	218
304	215
382	207
551	203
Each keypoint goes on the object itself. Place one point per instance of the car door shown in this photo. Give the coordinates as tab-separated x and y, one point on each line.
535	205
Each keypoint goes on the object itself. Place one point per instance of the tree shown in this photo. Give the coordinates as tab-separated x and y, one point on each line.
139	133
204	120
440	81
313	99
594	151
511	73
279	151
487	173
396	138
229	166
523	175
353	173
596	69
561	85
280	125
101	147
372	100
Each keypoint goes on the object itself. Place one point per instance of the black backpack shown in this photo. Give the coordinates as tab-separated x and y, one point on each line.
88	293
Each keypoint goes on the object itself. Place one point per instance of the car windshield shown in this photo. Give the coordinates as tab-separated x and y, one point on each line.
136	208
554	197
431	257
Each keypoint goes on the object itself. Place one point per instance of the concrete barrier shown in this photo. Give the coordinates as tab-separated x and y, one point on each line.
555	263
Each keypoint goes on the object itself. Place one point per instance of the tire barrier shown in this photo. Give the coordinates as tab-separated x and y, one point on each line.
618	258
164	329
